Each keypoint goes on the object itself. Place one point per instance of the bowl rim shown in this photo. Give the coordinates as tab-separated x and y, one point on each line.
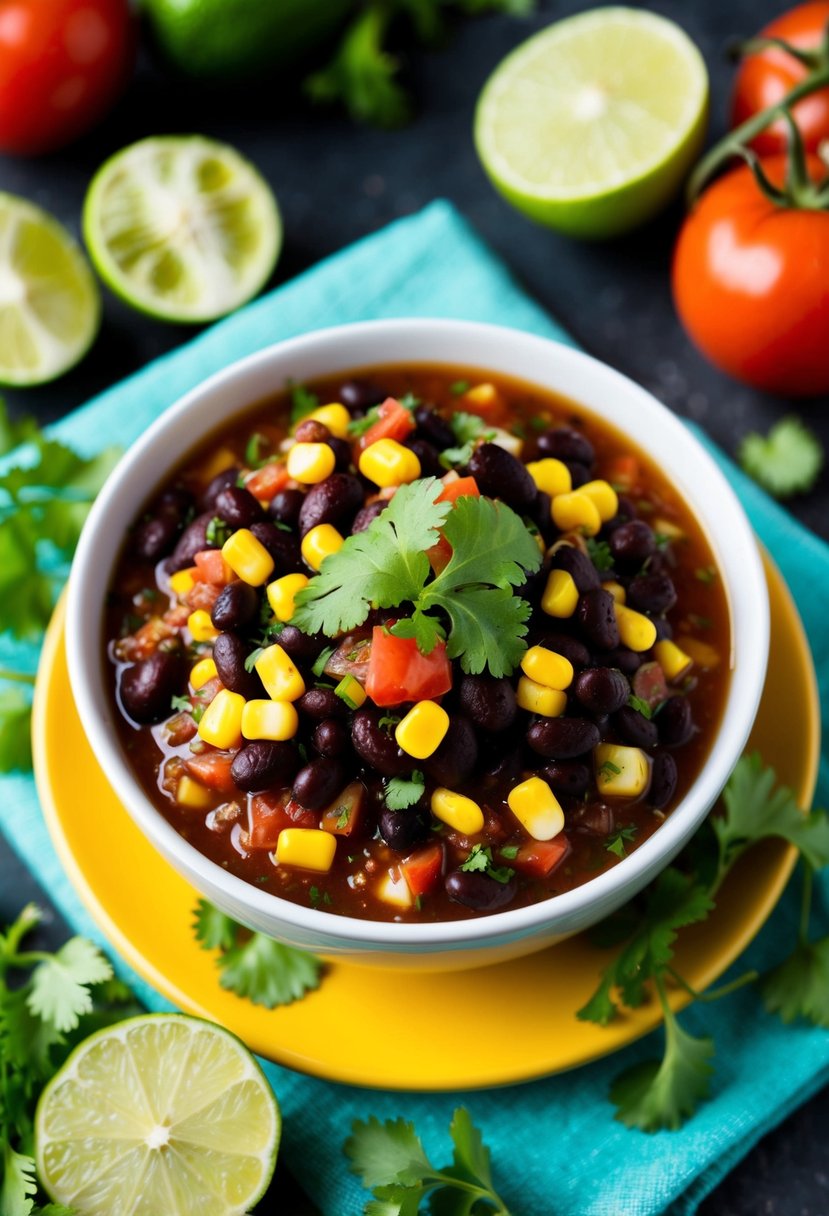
84	605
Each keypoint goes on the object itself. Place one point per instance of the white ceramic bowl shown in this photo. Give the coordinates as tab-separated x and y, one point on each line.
588	382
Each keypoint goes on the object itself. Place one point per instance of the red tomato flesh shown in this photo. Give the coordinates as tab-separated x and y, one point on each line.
212	769
422	870
394	421
461	487
397	671
538	858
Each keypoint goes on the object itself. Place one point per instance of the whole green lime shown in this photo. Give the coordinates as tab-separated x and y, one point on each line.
231	38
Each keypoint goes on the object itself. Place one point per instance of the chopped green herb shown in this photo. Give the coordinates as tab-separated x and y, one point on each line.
303	402
662	541
253	658
700	622
322	659
539	423
342	817
409	401
706	574
403	792
217	532
616	843
254	448
350	690
317	897
641	706
252	965
467	429
599	553
480	861
609	769
183	704
785	462
510	851
389	721
282	527
459	387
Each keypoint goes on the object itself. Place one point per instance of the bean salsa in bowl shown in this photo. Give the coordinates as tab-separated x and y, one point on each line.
417	644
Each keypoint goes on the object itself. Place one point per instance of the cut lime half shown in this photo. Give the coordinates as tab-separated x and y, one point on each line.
160	1114
182	227
50	308
591	125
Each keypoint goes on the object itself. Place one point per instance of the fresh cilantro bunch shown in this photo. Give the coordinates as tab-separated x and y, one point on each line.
471	602
252	965
392	1163
785	462
48	1003
664	1093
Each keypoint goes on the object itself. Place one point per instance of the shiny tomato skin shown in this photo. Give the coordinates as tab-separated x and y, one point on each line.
763	79
398	672
62	63
751	284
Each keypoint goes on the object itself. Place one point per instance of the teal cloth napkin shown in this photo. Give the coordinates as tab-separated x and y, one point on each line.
556	1147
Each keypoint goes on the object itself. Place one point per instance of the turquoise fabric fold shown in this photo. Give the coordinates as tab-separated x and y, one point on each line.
556	1147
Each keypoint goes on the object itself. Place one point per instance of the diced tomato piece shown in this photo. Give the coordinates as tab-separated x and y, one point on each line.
649	684
269	814
300	816
212	769
394	421
439	555
201	595
211	567
623	472
146	639
461	487
539	858
180	729
422	869
397	671
266	482
344	816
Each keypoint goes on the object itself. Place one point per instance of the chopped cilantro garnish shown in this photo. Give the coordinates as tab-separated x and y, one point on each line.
217	532
467	429
706	574
661	540
253	450
317	897
183	704
700	622
608	769
253	658
641	706
403	792
510	851
458	387
303	402
388	721
253	965
342	816
480	861
409	401
785	462
599	553
321	660
616	843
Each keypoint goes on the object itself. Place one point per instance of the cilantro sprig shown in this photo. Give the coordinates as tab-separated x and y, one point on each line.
402	792
470	603
479	861
467	429
785	462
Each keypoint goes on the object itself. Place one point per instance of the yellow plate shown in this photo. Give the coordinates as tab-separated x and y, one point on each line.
364	1026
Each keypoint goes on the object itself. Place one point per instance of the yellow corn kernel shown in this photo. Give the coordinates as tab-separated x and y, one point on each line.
702	653
320	543
393	889
335	416
622	772
277	720
201	627
576	512
217	463
248	558
545	667
282	592
182	581
422	730
306	848
603	496
221	723
616	590
551	475
485	394
203	671
388	463
458	811
536	808
277	671
536	699
666	527
672	659
190	793
636	631
560	595
311	463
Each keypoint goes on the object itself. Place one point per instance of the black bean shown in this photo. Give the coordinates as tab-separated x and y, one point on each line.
377	746
236	606
452	763
627	660
156	537
634	728
567	777
263	764
633	543
541	515
580	474
664	629
427	454
333	501
675	722
367	515
360	395
321	703
479	891
285	507
601	689
282	546
568	445
651	593
504	765
318	783
434	428
596	614
500	475
570	648
175	501
192	541
578	565
563	738
331	737
302	647
403	830
311	430
228	477
488	702
229	654
625	511
342	454
663	780
237	507
147	688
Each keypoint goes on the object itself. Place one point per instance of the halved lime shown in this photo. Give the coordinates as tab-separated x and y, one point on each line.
591	125
50	308
182	227
160	1115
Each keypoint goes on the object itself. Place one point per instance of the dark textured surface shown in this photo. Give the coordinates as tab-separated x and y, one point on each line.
336	183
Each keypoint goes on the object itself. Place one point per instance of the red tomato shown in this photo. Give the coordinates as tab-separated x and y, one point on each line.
750	283
62	63
398	672
213	770
268	481
538	858
394	422
763	80
210	567
423	868
461	487
269	814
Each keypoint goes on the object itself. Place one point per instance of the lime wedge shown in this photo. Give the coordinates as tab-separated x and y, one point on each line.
49	303
591	125
158	1114
182	227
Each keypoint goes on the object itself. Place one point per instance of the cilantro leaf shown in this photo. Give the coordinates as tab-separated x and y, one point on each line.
662	1094
471	1157
15	730
403	792
617	842
382	1153
60	984
599	553
641	706
213	930
799	987
480	861
785	462
361	73
303	402
467	429
18	1183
